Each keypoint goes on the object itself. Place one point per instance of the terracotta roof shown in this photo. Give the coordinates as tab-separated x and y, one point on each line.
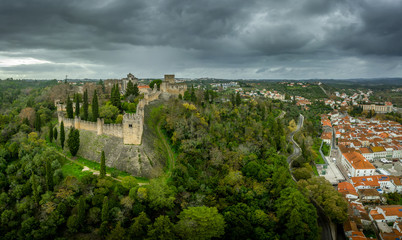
392	210
371	181
396	180
365	150
144	86
358	161
375	215
347	188
357	236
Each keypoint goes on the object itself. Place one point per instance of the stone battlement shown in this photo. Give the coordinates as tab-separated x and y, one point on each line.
130	129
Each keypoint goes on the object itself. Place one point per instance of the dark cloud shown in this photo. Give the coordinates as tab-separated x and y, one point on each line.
226	38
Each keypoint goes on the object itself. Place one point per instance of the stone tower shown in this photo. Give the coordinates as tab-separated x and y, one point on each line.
169	78
132	128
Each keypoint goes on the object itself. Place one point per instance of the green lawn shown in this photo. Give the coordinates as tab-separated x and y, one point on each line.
325	149
316	148
71	169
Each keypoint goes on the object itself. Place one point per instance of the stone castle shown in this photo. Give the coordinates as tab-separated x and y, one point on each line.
132	127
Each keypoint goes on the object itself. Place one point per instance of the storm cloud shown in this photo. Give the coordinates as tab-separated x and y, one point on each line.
226	39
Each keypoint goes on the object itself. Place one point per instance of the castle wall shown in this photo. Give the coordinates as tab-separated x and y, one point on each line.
113	130
87	125
130	130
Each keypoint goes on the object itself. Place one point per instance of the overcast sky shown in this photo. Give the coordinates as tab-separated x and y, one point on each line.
286	39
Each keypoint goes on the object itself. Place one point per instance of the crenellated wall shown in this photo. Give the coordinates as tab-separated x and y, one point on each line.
130	129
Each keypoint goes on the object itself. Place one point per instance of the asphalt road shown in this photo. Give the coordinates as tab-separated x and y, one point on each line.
323	221
296	148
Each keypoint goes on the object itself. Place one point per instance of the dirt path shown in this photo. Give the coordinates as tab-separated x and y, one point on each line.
167	147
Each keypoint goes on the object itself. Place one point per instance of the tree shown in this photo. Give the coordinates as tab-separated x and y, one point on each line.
34	186
162	229
62	134
115	97
77	105
132	89
81	211
49	175
193	98
238	99
296	215
334	205
138	229
95	107
158	83
50	132
200	223
73	141
85	105
160	194
38	123
102	172
108	113
118	233
55	133
206	95
69	108
105	209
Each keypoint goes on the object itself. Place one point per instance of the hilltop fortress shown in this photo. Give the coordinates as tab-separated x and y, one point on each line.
132	127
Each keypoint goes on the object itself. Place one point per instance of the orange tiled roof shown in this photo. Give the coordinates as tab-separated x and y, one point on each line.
358	161
365	150
371	181
346	188
392	210
356	235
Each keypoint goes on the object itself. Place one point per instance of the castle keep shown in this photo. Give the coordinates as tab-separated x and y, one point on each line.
132	127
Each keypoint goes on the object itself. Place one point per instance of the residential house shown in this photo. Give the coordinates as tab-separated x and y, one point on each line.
357	165
386	213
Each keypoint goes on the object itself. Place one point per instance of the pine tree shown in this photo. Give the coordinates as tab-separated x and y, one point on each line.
193	98
77	106
49	176
130	89
115	97
73	141
105	209
50	132
69	108
136	91
102	173
55	133
118	233
238	99
95	107
206	95
34	185
81	211
62	134
38	123
85	105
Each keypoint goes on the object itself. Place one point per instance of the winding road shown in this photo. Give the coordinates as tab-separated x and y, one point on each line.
323	222
296	148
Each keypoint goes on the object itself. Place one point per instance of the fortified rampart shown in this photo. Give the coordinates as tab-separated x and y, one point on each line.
130	129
